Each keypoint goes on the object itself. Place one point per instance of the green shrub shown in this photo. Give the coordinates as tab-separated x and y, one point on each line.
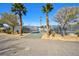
77	32
1	29
9	31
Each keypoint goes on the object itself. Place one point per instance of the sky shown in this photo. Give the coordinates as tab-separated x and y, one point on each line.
32	17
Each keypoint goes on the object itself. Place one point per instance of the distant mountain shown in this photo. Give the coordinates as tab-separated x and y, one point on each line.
30	28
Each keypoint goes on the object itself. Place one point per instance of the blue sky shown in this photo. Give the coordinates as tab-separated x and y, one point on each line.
34	12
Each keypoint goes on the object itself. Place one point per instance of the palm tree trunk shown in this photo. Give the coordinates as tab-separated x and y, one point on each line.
47	24
20	24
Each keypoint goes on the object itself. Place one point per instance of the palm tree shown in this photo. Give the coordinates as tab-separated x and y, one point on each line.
20	10
46	9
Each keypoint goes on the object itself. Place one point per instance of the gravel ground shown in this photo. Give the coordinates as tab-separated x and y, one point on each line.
32	45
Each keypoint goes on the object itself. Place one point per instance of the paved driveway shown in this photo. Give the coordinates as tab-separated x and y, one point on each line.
28	46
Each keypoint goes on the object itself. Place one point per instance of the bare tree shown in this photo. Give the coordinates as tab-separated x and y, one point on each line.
64	16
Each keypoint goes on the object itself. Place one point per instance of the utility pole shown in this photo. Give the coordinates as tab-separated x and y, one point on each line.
41	24
40	21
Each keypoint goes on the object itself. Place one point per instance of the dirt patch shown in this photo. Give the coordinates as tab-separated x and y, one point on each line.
59	37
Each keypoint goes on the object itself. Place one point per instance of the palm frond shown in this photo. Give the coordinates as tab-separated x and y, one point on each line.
47	8
19	9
